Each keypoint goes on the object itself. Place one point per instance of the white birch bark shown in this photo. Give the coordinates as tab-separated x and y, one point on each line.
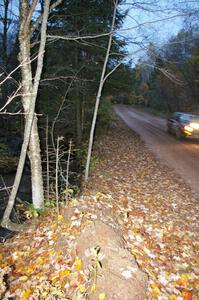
36	167
30	90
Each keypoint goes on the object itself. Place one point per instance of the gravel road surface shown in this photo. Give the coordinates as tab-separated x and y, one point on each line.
180	155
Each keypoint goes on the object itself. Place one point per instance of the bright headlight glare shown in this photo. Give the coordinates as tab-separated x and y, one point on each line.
188	128
194	125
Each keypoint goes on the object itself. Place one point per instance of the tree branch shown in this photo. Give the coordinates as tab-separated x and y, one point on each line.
98	97
31	11
36	23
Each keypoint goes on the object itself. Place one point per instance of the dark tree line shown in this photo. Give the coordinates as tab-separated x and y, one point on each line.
72	67
168	80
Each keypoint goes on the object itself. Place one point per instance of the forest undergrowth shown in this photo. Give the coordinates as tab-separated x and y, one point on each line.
130	190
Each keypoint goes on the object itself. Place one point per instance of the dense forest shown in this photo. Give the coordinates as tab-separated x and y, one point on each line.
63	65
76	39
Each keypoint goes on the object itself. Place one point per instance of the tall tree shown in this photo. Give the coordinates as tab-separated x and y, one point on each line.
98	97
30	89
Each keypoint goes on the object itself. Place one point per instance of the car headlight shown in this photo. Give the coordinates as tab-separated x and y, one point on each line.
188	128
194	125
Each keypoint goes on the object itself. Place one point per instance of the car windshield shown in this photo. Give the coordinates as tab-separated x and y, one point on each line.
190	118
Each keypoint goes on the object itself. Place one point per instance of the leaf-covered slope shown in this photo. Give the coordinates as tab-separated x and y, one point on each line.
131	191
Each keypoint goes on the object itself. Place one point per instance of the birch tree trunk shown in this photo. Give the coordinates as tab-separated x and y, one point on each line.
28	98
36	167
98	97
30	90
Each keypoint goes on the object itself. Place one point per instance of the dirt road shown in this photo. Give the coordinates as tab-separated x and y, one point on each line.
182	156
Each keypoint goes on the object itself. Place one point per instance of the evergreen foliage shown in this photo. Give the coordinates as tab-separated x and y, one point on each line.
76	65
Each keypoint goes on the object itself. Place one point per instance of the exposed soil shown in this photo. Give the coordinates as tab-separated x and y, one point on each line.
131	191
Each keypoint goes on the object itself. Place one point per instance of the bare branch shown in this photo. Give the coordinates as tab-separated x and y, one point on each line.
153	22
10	99
61	107
18	67
9	75
31	11
171	76
6	188
18	113
113	70
75	38
38	20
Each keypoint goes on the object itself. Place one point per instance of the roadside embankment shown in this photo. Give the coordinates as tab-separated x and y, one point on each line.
131	192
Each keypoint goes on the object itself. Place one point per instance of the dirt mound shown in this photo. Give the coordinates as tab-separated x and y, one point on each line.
113	269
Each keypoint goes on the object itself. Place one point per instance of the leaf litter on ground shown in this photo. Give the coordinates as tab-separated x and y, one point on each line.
130	190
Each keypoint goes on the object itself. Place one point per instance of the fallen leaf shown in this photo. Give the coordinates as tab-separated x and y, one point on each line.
187	295
25	294
102	296
93	288
78	263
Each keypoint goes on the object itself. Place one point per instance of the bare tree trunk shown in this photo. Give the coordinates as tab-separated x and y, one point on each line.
56	175
29	95
98	97
36	167
4	50
27	80
5	31
47	162
78	117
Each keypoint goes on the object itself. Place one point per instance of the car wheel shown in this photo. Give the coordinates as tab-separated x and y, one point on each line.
179	134
169	130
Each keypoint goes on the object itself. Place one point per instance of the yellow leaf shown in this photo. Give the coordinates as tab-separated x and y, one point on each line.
173	297
59	293
54	280
30	269
54	224
59	252
78	263
134	230
39	261
24	278
64	273
51	251
60	218
82	288
156	289
149	198
73	203
25	294
4	264
185	277
135	254
102	296
93	288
